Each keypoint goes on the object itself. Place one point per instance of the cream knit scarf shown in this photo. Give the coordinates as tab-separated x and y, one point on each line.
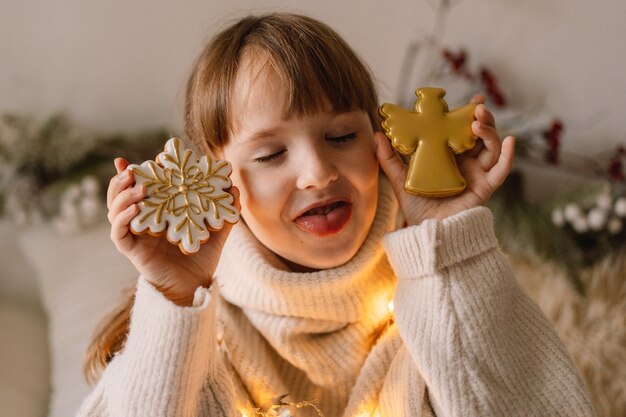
305	334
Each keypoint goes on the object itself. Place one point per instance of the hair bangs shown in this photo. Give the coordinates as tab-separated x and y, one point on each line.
319	70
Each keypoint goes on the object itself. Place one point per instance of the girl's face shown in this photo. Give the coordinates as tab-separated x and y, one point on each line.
309	185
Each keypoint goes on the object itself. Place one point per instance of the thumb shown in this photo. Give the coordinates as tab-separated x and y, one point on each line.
390	162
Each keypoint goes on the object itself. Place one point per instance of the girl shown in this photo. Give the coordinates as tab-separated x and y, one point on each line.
295	301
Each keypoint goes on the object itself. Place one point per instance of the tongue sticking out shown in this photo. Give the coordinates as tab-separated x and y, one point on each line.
326	220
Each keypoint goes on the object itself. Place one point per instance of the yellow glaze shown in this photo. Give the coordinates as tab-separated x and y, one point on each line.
431	134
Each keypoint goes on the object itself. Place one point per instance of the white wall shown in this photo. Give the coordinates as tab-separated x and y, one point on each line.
121	64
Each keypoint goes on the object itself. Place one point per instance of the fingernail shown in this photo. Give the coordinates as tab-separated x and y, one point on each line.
130	209
137	189
123	175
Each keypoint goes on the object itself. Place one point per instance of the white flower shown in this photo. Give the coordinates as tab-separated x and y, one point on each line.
614	226
557	217
620	207
572	213
596	218
89	210
68	209
580	224
71	194
90	186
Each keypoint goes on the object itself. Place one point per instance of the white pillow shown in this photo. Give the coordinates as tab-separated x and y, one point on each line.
81	278
24	384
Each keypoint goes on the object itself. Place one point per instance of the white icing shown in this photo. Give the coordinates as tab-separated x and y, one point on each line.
184	194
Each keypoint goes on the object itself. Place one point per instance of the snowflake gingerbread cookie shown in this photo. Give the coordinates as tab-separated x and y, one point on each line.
184	194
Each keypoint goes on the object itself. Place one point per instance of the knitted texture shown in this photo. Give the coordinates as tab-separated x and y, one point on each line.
464	340
311	332
481	345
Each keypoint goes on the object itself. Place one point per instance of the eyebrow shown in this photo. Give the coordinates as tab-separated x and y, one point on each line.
263	134
347	116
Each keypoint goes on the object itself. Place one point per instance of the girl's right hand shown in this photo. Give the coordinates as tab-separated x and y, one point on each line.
173	273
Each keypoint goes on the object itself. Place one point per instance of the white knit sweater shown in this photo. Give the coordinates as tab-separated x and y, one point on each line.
463	339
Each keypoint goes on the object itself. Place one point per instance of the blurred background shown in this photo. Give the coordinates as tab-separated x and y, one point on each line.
82	82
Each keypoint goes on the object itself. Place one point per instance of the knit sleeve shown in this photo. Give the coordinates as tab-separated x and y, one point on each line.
483	347
170	365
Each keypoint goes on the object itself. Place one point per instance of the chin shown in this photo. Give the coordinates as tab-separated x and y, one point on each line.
317	260
333	254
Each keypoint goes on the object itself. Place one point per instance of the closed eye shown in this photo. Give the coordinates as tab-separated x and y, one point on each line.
268	158
343	138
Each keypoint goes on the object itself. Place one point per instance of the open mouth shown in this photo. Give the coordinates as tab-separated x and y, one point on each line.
324	209
325	220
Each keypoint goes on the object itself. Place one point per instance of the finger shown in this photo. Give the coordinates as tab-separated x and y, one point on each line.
120	164
477	99
125	199
390	162
119	182
483	115
489	156
120	228
472	153
499	172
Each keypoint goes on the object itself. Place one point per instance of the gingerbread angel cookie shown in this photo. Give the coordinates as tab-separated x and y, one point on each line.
185	196
431	135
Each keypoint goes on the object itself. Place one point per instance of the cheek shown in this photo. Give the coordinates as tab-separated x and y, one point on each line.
258	194
252	187
364	174
363	166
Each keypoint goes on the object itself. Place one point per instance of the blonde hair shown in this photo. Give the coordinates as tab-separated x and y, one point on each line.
318	70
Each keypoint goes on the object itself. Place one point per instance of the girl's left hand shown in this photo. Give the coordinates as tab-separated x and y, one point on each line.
485	168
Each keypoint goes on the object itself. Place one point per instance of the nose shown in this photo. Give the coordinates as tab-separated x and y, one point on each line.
317	169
